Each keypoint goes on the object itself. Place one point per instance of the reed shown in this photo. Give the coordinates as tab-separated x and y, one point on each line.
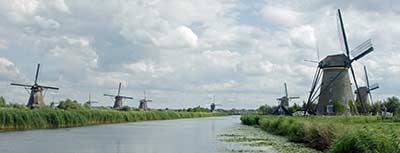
23	119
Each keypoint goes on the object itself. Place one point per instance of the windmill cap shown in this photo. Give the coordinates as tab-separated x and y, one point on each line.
337	60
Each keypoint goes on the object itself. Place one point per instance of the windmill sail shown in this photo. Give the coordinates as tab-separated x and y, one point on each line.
342	34
362	50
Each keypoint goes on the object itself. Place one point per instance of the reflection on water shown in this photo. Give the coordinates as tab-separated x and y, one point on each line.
171	136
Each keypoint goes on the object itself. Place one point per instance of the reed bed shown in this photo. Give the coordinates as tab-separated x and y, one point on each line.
335	134
23	119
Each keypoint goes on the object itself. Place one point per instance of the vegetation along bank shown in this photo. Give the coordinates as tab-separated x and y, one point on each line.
335	134
71	114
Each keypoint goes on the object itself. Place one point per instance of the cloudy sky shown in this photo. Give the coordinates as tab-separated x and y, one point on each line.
184	51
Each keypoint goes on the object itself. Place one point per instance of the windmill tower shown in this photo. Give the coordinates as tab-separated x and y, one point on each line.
143	102
284	103
90	102
36	94
363	92
335	85
213	104
118	98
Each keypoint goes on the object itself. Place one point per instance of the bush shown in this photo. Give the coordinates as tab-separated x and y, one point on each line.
250	119
365	141
69	104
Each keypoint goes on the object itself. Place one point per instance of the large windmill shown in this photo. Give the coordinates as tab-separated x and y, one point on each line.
118	98
284	103
90	102
335	85
143	102
364	91
36	95
213	104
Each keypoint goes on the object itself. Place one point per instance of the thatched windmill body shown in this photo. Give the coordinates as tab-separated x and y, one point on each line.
118	98
283	107
143	102
364	91
36	98
214	105
335	84
90	102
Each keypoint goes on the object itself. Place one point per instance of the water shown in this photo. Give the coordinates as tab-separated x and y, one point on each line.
197	135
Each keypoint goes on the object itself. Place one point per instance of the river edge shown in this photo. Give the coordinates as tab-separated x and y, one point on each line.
22	120
243	139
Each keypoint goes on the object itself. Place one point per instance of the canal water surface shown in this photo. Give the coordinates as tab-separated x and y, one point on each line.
198	135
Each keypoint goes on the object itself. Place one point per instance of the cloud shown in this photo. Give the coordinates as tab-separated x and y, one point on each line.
181	37
8	70
184	51
281	15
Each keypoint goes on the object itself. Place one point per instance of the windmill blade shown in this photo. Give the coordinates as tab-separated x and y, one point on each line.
355	82
119	88
374	86
362	50
149	100
48	87
370	98
93	102
366	76
23	85
110	95
37	73
297	97
279	99
286	93
126	97
342	33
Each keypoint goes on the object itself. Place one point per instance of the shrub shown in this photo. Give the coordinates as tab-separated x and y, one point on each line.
69	104
250	119
365	141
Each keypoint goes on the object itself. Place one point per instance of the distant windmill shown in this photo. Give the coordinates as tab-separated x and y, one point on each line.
36	94
213	104
284	103
118	98
90	102
53	103
335	85
143	102
363	92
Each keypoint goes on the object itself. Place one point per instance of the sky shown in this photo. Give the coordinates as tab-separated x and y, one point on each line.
182	52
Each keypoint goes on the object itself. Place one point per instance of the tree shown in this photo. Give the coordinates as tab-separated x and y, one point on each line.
392	104
339	107
69	104
295	108
265	109
2	101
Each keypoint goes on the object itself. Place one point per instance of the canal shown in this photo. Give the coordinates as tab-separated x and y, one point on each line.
196	135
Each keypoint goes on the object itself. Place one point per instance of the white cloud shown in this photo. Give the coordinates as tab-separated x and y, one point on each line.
8	70
281	15
182	37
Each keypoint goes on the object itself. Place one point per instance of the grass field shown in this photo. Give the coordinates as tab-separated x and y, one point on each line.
22	119
336	134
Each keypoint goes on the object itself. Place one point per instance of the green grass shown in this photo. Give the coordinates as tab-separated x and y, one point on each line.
22	119
334	133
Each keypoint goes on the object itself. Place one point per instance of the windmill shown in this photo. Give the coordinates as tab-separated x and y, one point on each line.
118	98
36	94
90	102
213	104
284	103
53	103
335	85
364	91
143	102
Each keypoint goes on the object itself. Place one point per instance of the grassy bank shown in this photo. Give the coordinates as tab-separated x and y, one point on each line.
336	134
23	119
